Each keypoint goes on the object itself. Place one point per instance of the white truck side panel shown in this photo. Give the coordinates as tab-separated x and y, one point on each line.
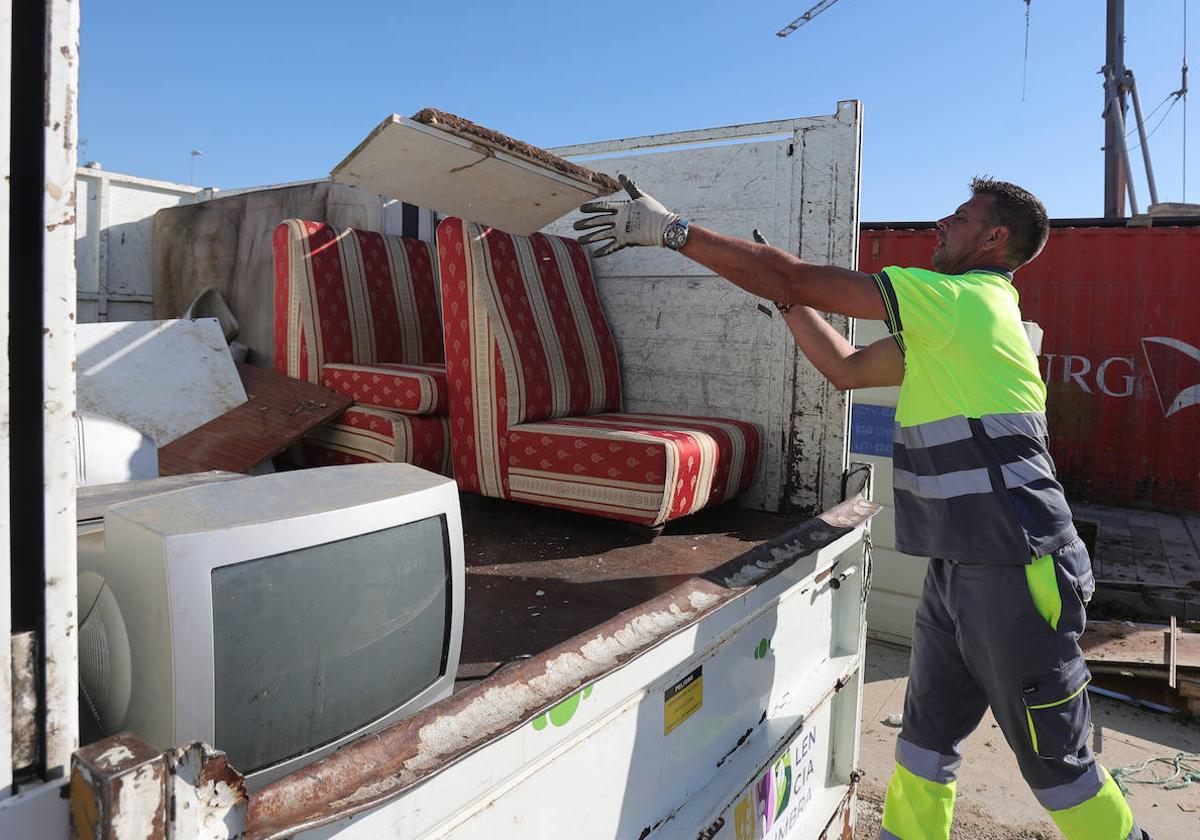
899	578
827	219
5	531
59	645
796	181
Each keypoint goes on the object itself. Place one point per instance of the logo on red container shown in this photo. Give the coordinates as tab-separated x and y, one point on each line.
1175	370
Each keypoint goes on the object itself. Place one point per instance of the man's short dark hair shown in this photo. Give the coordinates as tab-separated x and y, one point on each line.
1021	212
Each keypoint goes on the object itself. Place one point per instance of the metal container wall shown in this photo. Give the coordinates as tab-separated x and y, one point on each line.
1121	357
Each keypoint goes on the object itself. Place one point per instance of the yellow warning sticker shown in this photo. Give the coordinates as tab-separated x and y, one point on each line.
683	700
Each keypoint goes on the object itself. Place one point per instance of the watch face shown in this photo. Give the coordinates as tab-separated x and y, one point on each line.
676	236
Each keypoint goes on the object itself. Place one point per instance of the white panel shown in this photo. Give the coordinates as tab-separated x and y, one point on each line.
825	217
5	530
88	311
434	168
897	579
164	378
114	242
129	229
124	310
36	812
87	239
58	360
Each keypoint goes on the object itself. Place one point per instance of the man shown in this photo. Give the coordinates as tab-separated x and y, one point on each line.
1003	606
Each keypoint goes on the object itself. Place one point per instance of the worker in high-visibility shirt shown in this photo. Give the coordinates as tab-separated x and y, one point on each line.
999	620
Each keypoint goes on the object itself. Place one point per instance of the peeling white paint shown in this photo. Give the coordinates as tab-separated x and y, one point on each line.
780	555
493	710
110	758
138	804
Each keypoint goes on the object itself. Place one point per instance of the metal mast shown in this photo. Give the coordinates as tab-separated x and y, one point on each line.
805	18
1115	171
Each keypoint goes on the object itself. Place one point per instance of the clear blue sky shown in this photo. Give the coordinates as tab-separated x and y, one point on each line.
275	92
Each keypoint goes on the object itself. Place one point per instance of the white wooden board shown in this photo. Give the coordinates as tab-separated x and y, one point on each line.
164	378
429	167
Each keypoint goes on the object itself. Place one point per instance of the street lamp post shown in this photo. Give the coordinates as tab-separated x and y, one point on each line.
192	176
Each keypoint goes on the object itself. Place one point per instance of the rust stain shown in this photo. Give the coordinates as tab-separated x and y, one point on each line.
85	810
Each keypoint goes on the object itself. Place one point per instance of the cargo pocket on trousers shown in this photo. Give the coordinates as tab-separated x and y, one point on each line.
1057	710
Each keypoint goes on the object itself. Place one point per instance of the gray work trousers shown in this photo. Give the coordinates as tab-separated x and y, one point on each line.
985	637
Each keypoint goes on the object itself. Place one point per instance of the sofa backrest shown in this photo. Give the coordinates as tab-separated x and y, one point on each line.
352	296
537	292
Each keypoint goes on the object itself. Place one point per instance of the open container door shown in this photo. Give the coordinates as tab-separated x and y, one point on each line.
795	180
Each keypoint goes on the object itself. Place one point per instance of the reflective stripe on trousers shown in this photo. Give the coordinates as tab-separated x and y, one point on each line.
921	808
1005	637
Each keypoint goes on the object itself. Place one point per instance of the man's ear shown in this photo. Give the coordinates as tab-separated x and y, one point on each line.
997	238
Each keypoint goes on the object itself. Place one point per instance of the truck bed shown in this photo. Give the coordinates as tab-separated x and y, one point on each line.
537	577
614	612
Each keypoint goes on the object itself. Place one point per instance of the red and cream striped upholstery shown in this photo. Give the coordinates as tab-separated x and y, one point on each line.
409	389
535	393
359	312
367	435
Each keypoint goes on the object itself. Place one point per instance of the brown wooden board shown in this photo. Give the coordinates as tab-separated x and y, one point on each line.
278	413
1120	642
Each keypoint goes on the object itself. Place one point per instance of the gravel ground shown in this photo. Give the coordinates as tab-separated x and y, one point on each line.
969	822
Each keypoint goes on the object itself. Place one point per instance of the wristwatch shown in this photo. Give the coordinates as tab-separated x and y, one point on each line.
675	234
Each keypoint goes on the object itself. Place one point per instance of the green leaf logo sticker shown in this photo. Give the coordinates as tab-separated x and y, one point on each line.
561	714
763	648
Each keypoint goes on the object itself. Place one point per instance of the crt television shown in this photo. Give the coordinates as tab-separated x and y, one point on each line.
275	617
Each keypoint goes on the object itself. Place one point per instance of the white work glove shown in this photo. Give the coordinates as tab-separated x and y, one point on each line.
637	222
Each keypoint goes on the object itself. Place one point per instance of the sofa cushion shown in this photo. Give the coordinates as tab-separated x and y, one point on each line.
558	354
407	389
364	434
352	296
641	467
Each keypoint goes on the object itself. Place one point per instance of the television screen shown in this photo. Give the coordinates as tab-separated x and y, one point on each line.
309	645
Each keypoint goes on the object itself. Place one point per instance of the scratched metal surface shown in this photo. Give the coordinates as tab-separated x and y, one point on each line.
538	577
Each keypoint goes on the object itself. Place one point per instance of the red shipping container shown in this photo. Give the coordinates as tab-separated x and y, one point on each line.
1120	307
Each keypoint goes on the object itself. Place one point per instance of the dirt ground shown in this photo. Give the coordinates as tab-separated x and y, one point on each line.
970	823
993	801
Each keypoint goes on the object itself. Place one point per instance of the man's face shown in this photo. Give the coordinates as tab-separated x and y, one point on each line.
962	236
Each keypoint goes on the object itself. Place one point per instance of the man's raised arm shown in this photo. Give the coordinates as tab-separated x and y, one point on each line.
758	268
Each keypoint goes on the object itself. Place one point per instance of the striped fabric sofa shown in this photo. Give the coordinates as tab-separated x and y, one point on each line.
535	391
359	313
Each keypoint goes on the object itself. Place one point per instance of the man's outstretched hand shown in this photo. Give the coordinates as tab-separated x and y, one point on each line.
640	221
